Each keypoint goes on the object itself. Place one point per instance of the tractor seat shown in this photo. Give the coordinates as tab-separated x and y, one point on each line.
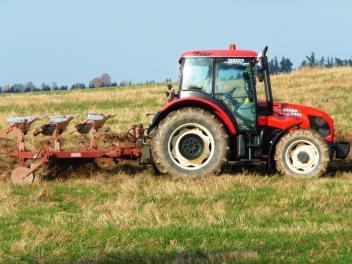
21	119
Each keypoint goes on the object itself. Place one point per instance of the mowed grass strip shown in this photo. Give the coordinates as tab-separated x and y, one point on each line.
134	216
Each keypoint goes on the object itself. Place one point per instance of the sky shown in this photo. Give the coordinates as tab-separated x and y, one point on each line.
69	41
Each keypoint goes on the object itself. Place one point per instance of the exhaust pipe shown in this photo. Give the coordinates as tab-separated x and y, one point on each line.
267	84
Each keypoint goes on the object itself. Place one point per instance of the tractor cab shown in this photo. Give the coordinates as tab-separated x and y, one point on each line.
228	78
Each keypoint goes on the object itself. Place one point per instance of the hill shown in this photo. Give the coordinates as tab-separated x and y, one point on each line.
131	215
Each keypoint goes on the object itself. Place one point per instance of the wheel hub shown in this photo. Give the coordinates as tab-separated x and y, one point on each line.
191	146
303	157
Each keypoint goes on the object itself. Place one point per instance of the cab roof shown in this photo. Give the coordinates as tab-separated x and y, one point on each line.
220	53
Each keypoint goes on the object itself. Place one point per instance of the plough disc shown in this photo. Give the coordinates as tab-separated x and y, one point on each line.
21	176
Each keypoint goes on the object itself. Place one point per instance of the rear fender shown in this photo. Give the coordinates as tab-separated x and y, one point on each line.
212	107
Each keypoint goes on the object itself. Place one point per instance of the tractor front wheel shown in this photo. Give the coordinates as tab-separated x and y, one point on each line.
302	153
190	143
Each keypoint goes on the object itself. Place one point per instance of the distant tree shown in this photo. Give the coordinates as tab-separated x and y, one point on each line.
274	66
6	88
78	86
338	62
114	84
102	81
285	65
63	87
54	86
17	88
311	60
29	87
329	62
45	87
1	89
124	83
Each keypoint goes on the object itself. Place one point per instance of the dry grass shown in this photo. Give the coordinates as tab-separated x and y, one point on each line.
133	216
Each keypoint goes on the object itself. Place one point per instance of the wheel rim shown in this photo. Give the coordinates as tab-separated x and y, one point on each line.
302	157
191	146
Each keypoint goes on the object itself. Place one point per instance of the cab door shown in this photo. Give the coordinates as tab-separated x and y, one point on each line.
234	85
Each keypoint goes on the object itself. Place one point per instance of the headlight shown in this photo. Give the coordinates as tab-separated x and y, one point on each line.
320	125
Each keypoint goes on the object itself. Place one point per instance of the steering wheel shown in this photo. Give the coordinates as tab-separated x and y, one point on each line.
229	96
232	90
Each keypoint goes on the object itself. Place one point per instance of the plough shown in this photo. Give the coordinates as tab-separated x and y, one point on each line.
29	160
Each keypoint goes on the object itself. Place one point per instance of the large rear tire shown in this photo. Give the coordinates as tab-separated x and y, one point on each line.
302	153
190	143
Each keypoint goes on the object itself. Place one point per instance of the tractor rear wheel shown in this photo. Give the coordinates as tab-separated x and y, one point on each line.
302	153
190	143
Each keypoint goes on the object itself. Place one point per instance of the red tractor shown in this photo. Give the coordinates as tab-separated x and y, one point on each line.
217	117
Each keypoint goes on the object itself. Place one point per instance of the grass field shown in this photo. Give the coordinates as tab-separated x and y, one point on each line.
130	215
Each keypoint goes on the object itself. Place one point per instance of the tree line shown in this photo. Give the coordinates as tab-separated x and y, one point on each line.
311	61
102	81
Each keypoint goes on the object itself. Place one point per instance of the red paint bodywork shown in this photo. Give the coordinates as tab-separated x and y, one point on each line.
220	53
279	119
118	153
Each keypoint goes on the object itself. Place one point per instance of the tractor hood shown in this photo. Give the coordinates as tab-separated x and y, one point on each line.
287	114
